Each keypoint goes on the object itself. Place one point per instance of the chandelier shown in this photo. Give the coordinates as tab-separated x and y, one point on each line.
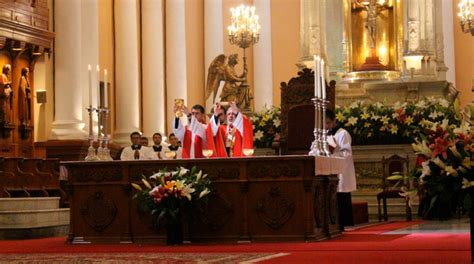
244	30
466	13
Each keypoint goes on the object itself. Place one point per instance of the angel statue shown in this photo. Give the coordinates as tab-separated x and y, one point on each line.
219	71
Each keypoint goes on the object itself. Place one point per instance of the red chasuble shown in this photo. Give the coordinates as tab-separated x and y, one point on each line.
243	137
187	141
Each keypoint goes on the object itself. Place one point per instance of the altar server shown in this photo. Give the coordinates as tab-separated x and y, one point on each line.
137	151
347	180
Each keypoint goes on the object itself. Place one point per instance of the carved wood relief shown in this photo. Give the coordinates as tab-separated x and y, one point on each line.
98	211
275	208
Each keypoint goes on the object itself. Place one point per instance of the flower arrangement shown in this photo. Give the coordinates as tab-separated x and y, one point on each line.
266	126
445	165
164	193
397	124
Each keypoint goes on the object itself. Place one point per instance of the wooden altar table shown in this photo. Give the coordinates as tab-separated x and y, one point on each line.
275	198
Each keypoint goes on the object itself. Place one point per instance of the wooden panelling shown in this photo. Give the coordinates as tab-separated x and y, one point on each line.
248	203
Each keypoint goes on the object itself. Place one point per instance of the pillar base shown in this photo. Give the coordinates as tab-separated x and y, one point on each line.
62	130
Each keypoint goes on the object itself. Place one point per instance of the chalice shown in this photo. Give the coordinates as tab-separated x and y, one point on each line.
179	104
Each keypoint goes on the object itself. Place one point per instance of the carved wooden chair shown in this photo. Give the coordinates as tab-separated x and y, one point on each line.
391	189
297	113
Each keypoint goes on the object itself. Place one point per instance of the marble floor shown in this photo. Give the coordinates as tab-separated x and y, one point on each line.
453	226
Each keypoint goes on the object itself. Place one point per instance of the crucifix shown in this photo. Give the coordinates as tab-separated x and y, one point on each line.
373	9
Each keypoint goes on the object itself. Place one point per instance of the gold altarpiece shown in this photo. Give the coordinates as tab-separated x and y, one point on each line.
387	37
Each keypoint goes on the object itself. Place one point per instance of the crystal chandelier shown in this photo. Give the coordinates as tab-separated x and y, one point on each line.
244	30
466	12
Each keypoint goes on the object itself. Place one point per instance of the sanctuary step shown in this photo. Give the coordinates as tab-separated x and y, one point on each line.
395	207
22	218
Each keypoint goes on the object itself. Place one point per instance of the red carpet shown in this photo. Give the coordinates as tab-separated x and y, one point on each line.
363	245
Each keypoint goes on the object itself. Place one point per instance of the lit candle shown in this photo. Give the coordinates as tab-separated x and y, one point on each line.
89	68
98	87
105	88
323	82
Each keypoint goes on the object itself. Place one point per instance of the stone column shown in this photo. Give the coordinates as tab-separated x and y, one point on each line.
313	39
213	37
440	19
153	72
262	58
68	123
127	69
448	40
89	55
413	26
176	81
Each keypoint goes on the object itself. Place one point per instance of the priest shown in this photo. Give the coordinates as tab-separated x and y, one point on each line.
231	139
190	130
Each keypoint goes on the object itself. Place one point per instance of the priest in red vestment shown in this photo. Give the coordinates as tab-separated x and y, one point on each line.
229	140
191	131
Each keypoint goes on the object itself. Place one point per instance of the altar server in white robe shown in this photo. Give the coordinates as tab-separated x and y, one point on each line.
137	151
341	146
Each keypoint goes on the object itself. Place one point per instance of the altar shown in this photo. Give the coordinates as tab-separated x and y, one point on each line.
280	198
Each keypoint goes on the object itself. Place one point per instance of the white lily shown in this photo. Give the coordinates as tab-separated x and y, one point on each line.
187	191
199	175
204	193
147	184
451	171
182	171
439	163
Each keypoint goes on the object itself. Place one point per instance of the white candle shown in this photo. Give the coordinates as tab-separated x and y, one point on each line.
316	76
98	87
105	89
89	68
323	83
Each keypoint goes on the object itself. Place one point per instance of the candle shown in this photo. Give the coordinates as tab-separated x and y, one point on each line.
105	88
316	76
98	87
323	83
89	68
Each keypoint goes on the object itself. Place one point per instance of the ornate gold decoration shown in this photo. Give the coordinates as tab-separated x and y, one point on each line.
466	15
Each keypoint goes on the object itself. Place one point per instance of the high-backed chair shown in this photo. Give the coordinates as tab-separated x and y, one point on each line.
391	189
297	113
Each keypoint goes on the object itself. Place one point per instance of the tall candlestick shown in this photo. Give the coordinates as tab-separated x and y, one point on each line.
89	68
105	89
98	87
323	82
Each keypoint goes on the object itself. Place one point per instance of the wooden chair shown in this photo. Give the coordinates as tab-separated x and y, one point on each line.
297	113
15	180
55	186
40	179
392	189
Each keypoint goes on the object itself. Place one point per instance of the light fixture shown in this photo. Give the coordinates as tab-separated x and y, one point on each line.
244	32
37	51
466	12
18	45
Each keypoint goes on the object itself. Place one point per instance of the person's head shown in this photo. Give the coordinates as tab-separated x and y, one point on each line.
135	138
231	114
6	69
157	138
144	141
25	71
199	113
233	59
330	119
173	140
223	116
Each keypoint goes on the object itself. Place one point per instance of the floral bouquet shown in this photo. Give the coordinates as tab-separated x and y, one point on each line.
399	123
444	168
266	126
164	193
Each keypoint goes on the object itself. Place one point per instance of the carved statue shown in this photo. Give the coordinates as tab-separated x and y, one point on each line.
373	10
24	97
220	71
6	95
